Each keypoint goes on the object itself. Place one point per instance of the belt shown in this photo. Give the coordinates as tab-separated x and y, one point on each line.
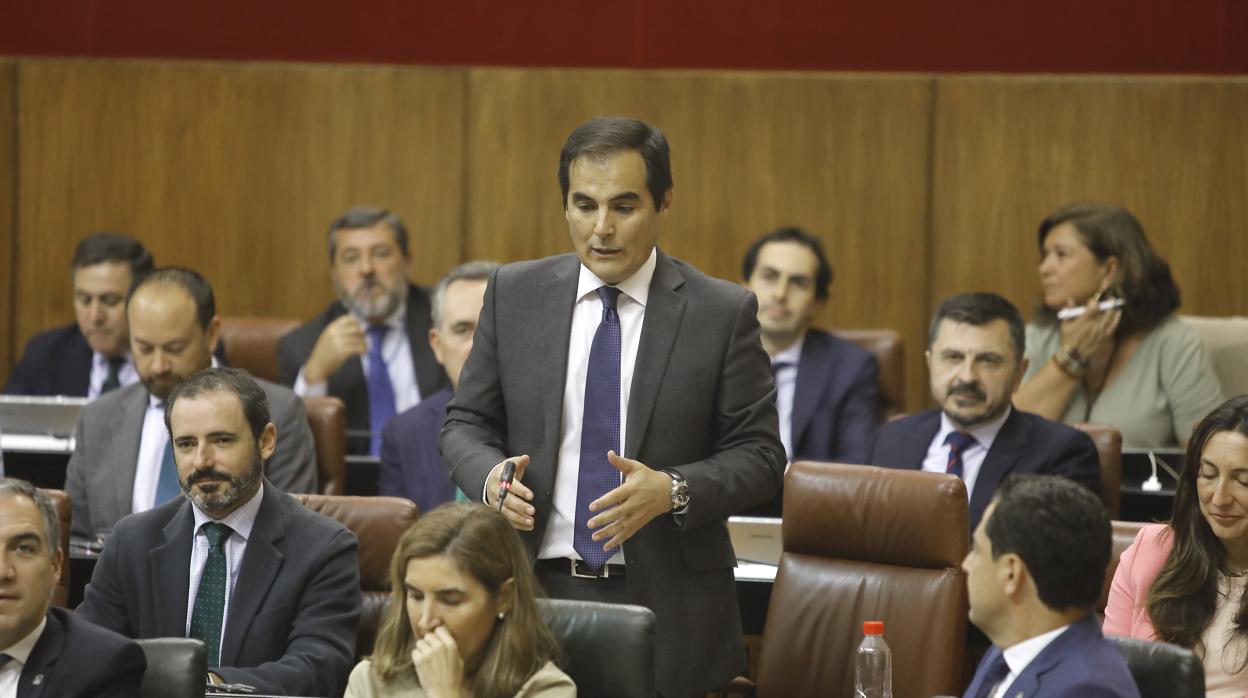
578	568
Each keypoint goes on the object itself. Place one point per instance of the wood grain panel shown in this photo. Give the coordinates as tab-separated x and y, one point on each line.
8	185
1009	150
235	170
843	156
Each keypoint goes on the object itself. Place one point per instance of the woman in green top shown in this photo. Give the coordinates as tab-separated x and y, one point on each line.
1137	368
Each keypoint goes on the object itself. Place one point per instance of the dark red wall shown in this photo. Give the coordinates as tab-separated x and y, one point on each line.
1136	36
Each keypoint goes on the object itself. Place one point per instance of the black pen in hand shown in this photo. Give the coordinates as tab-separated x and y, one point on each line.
504	483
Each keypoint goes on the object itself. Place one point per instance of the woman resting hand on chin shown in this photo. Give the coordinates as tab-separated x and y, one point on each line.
462	618
1138	367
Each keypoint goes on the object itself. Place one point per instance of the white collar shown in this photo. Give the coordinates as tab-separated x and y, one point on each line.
984	433
240	521
1019	655
636	287
792	355
20	650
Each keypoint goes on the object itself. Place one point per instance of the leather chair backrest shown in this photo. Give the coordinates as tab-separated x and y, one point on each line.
177	667
1124	533
864	543
378	523
327	417
251	343
64	512
1225	340
1108	442
889	351
1163	670
608	649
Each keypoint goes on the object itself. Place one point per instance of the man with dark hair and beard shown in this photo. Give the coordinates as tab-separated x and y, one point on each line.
975	363
271	588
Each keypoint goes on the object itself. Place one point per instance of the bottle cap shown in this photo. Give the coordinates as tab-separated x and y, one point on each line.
873	627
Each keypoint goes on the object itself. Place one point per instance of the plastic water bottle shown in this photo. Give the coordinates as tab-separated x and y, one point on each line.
873	664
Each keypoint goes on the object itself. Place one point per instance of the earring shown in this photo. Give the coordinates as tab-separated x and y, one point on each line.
501	615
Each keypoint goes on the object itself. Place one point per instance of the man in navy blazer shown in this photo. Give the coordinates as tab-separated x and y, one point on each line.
48	651
282	609
90	356
410	463
826	387
1033	577
975	363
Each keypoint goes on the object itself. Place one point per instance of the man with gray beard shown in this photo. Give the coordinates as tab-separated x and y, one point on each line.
271	588
380	320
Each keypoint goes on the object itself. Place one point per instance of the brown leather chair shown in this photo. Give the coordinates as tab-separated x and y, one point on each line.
1108	442
64	511
251	343
1123	535
378	523
889	351
327	417
864	543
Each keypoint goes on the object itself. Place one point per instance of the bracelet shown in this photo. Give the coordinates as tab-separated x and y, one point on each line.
1072	364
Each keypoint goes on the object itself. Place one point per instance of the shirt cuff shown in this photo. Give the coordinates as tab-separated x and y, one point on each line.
303	388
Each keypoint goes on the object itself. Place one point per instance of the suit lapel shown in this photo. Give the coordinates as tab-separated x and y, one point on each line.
42	659
812	380
913	450
559	293
664	310
127	423
169	569
260	565
78	370
1007	449
1030	681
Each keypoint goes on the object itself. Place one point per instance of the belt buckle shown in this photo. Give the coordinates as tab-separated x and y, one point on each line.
604	573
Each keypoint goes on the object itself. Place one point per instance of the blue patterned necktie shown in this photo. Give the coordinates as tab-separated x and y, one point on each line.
209	610
993	676
958	442
380	389
167	487
600	428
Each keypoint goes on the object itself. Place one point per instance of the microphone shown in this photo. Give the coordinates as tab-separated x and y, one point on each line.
504	483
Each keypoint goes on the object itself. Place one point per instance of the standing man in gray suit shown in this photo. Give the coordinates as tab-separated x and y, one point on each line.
633	395
123	461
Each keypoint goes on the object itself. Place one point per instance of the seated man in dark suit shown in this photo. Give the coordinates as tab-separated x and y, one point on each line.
410	463
272	588
975	363
123	461
826	387
49	651
92	355
1034	575
379	319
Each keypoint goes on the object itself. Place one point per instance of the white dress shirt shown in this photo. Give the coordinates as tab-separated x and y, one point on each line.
396	351
1018	656
786	386
586	315
937	459
11	672
128	375
240	521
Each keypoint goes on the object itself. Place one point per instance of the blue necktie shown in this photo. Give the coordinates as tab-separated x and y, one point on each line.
167	487
209	610
380	390
994	674
600	429
958	442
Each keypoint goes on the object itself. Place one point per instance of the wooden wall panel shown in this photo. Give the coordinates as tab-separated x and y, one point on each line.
8	185
235	170
1009	150
844	156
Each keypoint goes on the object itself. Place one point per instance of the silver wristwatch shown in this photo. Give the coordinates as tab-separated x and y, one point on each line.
680	491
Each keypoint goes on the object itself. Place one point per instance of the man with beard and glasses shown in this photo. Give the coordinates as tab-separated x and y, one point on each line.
270	587
123	461
975	363
380	320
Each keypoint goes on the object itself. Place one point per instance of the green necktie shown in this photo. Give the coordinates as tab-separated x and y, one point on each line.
113	381
209	611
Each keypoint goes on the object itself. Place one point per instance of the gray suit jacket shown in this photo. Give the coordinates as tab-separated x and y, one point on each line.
702	402
292	619
100	474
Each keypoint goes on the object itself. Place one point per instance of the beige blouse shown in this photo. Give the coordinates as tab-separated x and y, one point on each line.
1226	653
548	682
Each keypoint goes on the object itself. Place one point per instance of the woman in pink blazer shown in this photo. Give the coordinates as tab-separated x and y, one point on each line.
1184	582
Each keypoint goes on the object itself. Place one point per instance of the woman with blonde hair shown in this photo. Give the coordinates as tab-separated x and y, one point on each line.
462	618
